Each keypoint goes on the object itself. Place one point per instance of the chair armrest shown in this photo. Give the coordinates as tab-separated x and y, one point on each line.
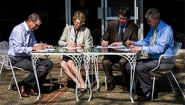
161	59
165	56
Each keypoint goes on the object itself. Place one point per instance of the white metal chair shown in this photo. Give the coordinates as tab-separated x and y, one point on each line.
6	62
166	64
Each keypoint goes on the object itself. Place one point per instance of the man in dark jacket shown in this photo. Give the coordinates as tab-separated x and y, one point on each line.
117	33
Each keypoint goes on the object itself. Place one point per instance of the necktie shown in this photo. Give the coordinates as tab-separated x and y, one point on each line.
153	38
120	34
76	34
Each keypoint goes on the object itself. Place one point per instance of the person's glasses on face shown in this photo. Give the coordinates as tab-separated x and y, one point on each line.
149	21
122	18
36	25
77	23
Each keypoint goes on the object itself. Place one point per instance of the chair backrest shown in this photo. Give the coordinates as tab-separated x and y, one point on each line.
3	55
3	51
177	47
4	58
91	41
168	64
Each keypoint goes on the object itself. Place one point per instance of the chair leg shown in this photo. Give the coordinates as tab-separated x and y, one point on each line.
105	82
152	98
51	82
18	88
2	65
10	83
60	77
177	84
170	82
13	73
1	68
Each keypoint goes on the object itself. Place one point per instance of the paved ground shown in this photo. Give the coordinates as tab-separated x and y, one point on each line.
65	95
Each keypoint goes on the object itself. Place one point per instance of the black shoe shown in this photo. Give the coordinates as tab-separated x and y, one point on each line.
80	90
148	95
139	91
111	86
83	90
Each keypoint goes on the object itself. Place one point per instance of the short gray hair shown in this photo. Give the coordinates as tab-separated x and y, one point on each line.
34	17
154	13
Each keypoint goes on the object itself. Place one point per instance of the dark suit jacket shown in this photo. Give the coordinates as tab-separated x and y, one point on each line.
111	33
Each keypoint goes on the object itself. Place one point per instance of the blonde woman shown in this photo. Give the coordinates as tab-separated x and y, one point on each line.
75	36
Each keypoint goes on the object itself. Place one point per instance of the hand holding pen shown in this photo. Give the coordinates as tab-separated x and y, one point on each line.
129	42
104	43
46	46
38	47
72	43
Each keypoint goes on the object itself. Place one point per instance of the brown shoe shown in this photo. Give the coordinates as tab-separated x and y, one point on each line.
32	92
23	91
124	88
111	86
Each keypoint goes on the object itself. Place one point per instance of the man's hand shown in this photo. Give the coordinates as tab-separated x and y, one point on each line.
38	47
104	43
135	48
116	44
48	46
129	43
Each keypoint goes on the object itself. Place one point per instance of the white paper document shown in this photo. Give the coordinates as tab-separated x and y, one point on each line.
71	47
124	49
111	47
45	50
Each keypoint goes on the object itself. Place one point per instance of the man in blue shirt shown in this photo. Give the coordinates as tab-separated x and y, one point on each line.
21	43
158	41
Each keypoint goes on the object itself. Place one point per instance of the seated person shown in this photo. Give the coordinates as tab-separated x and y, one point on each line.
21	43
117	33
75	36
158	41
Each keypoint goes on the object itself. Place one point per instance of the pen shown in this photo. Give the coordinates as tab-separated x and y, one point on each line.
101	39
71	39
128	38
127	46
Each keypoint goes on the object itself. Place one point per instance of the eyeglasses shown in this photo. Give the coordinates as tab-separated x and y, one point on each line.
149	21
77	23
36	25
125	18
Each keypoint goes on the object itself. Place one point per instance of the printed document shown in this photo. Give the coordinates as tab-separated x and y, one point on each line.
111	47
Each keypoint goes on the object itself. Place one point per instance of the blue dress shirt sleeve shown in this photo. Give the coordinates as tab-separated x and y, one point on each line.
163	43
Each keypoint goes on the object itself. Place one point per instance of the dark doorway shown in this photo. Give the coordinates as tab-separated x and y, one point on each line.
14	12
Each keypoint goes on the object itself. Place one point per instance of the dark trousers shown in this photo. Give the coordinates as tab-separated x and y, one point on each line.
142	69
109	61
43	67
